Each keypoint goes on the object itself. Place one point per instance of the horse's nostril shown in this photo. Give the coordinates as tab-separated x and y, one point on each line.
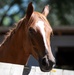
44	63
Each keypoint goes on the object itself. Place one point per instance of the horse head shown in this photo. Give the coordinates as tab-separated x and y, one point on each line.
39	32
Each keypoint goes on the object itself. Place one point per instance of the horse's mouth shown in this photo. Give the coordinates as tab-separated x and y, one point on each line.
46	65
45	69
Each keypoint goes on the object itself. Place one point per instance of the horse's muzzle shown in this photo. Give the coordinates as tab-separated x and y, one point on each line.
46	65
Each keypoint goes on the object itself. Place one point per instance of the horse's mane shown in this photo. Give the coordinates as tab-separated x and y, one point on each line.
12	31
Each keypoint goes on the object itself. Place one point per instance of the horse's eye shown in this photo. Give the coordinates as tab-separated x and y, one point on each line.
51	34
31	30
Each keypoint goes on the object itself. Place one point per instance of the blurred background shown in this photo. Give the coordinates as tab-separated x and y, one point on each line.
61	13
61	18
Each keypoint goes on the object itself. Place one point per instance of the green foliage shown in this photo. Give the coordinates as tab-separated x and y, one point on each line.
64	10
61	13
6	21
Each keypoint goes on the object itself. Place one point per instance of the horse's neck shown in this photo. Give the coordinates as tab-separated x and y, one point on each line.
12	50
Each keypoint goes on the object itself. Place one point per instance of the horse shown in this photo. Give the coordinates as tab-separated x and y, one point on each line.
30	36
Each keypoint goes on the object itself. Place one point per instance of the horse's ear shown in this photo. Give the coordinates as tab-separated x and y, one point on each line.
46	10
29	10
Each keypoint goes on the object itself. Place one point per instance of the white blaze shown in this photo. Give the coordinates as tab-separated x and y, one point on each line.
40	24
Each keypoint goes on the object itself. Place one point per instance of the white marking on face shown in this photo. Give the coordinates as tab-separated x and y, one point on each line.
40	24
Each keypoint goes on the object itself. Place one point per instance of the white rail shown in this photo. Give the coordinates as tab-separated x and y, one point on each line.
13	69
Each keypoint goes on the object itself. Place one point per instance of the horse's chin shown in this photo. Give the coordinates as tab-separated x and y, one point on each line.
45	69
